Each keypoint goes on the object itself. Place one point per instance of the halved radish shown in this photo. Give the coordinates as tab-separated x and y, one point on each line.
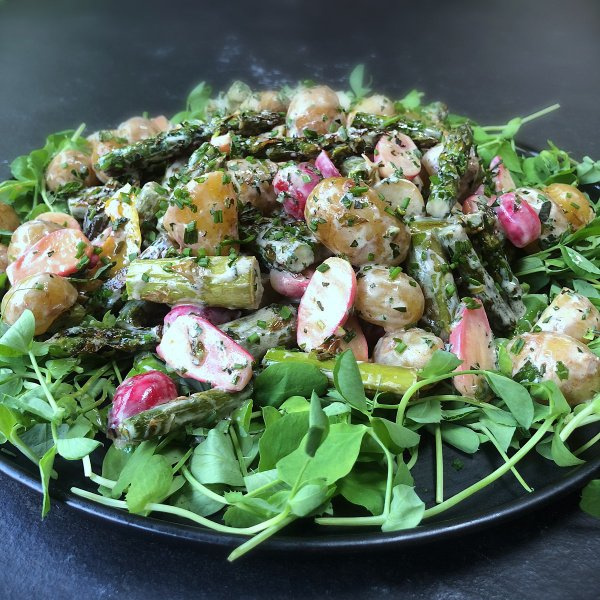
139	393
518	220
398	155
195	348
326	303
472	341
354	339
501	177
216	315
222	142
62	252
60	218
294	183
430	160
291	285
327	168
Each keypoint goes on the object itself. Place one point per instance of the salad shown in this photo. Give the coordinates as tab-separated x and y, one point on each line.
255	312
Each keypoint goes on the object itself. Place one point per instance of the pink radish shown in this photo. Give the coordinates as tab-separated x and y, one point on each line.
472	341
397	155
217	316
291	285
60	218
62	252
222	142
139	393
431	159
327	168
195	348
326	303
501	177
294	183
519	221
357	340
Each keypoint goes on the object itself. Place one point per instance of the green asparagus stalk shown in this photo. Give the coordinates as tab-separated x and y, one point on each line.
473	277
202	409
278	242
167	146
453	164
375	377
158	248
91	340
427	264
214	281
148	201
422	133
92	196
269	327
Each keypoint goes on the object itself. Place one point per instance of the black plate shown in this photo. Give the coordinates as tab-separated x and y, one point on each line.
504	499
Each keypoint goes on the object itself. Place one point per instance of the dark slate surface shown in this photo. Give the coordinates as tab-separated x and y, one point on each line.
64	62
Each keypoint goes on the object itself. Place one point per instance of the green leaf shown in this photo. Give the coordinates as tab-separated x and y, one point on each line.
561	455
76	448
549	393
348	382
333	460
578	263
282	380
281	437
588	171
394	436
45	466
412	100
8	421
318	426
150	483
364	486
460	437
136	461
429	411
214	461
406	509
189	498
503	434
18	338
440	363
357	83
514	395
590	498
309	498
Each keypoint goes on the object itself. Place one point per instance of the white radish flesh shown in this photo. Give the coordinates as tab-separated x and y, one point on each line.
518	220
291	285
195	348
325	166
397	155
294	184
501	177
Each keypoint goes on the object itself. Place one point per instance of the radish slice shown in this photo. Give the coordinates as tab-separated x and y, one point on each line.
60	218
294	183
354	339
139	393
518	220
222	142
472	341
195	348
326	304
397	155
291	285
431	159
327	168
217	316
62	252
501	177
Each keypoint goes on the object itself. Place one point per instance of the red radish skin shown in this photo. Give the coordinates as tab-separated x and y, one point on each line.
501	177
217	316
326	304
291	285
295	183
222	142
395	153
62	219
358	344
195	348
59	252
139	393
472	341
519	221
325	166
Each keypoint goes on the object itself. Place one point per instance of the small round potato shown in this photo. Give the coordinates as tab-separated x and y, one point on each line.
316	109
411	348
570	313
69	166
388	298
103	142
549	356
141	128
46	295
402	195
3	258
208	216
266	100
575	205
9	220
352	221
373	105
27	235
253	182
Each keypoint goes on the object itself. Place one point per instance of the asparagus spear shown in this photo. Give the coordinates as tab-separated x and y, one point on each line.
202	409
158	248
91	340
427	264
453	164
92	196
274	325
214	281
278	242
473	277
422	133
168	145
375	377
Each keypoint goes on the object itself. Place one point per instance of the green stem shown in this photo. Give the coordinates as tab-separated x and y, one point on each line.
182	461
413	458
202	488
238	451
284	520
577	420
587	445
439	466
89	473
42	381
